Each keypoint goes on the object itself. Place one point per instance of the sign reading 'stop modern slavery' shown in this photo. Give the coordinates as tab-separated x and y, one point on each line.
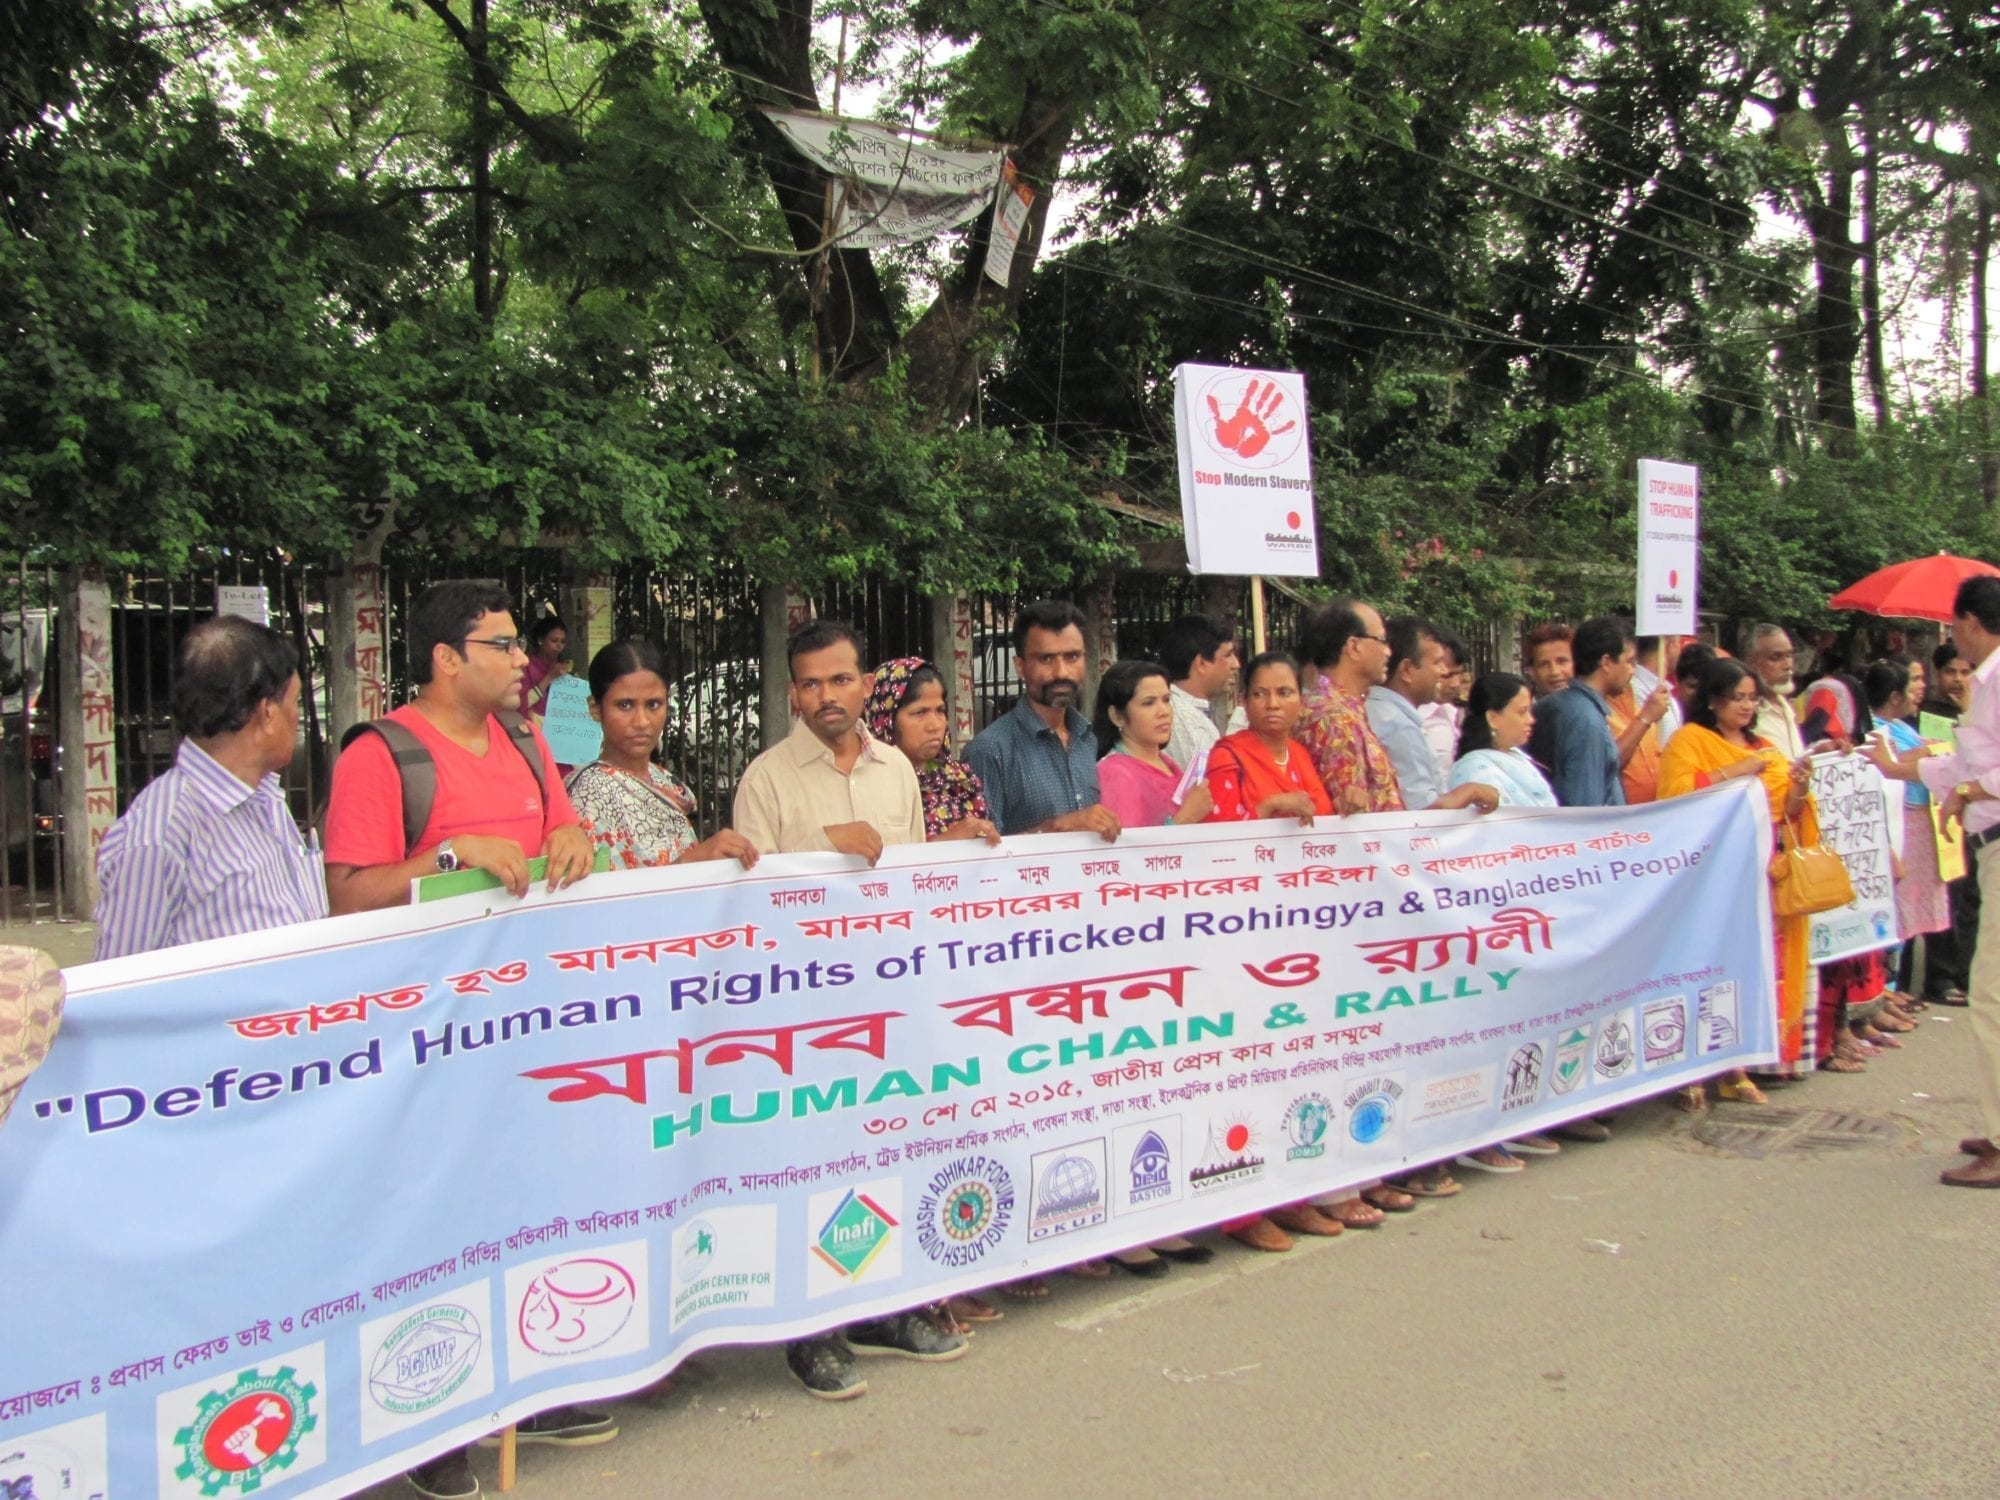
296	1211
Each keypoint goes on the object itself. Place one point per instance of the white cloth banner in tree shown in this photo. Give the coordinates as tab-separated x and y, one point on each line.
891	188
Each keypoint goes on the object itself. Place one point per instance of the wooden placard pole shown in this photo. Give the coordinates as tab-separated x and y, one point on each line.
509	1456
1257	612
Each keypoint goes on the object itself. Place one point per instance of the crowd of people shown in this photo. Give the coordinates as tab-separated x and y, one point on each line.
1370	715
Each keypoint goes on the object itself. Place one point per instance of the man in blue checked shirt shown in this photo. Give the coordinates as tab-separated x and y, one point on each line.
1039	759
209	849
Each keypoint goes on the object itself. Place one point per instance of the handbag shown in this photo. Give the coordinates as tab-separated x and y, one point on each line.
1807	878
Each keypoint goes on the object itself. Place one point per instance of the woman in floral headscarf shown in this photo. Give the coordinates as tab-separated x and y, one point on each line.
906	709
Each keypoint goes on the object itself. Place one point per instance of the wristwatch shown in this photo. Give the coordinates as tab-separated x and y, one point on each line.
447	861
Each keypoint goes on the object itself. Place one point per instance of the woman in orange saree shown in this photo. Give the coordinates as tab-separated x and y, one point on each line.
1717	744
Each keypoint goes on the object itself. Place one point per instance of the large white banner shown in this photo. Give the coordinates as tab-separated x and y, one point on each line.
891	188
1246	471
290	1212
1669	547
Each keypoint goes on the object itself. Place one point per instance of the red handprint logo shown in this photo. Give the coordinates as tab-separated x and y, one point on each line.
1248	432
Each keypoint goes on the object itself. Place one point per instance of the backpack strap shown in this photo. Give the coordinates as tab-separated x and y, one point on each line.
521	735
418	771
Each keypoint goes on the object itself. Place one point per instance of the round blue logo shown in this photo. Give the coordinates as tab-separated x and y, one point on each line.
1369	1119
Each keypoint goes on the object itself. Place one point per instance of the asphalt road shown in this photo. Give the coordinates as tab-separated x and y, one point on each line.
1653	1316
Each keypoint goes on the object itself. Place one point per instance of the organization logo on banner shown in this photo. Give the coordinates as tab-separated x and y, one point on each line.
1374	1109
1144	1156
237	1433
1068	1189
1524	1077
1572	1064
964	1211
1456	1093
1616	1046
570	1307
1715	1017
429	1359
856	1234
1306	1122
728	1257
1663	1030
1230	1153
66	1462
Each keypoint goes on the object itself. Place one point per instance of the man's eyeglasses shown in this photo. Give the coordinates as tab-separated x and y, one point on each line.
1380	640
502	643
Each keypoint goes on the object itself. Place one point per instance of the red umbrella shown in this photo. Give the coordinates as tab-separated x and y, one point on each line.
1920	589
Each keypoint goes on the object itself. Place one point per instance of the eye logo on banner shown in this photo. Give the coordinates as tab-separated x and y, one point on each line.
1148	1151
1665	1030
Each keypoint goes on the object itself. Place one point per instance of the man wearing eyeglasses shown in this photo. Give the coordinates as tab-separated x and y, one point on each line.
490	812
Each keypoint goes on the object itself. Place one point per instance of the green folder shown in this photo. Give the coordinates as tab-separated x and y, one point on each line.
464	882
1938	727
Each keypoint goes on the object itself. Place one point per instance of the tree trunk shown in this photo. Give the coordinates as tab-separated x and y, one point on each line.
1836	333
1871	277
1982	401
482	169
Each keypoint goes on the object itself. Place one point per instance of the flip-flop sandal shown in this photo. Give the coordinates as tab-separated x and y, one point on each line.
1838	1064
1027	1289
973	1310
1094	1269
1398	1201
1353	1213
1443	1187
1187	1255
1478	1164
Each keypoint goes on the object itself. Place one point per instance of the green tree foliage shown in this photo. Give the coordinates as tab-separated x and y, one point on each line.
539	270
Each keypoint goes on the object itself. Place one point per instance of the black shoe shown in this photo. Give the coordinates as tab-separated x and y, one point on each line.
825	1367
567	1427
1187	1255
1149	1267
446	1477
907	1334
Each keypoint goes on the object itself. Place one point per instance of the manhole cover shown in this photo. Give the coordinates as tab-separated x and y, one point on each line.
1770	1131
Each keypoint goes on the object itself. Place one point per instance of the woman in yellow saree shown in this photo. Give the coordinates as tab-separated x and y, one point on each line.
1717	744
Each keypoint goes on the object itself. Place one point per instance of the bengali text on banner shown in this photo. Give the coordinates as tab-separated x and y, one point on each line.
301	1209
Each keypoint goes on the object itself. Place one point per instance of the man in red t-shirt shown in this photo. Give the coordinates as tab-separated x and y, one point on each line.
489	814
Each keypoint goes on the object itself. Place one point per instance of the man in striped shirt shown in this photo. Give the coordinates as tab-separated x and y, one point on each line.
209	849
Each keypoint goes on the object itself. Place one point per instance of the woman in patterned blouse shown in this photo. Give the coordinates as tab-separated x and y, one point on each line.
631	807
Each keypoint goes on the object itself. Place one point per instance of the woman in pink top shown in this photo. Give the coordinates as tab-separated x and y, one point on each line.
1135	717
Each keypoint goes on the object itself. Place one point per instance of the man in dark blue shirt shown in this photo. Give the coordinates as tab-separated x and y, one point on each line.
1039	760
1572	736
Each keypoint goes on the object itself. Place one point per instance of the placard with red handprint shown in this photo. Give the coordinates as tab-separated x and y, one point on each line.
1246	471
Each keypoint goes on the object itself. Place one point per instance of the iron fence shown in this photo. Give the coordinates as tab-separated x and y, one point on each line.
708	624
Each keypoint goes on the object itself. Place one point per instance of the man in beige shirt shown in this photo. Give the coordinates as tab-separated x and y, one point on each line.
830	785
